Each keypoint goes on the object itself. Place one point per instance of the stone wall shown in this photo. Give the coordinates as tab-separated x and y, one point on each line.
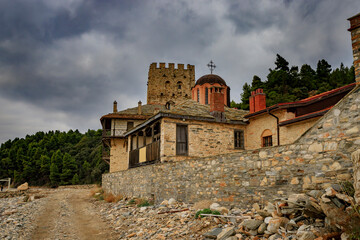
165	84
322	156
204	138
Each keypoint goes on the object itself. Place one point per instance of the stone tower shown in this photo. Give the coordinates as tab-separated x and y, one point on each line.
169	84
355	40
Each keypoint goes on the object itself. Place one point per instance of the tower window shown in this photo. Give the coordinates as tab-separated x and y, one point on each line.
206	96
179	84
198	95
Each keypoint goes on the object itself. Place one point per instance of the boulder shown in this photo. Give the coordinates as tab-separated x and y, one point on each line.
336	216
252	224
213	233
262	228
23	187
225	233
217	207
275	223
171	201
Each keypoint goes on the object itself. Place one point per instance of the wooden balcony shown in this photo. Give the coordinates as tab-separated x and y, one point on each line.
148	154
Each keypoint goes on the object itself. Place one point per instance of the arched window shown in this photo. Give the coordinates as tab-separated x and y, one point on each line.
266	138
198	95
179	83
206	96
167	84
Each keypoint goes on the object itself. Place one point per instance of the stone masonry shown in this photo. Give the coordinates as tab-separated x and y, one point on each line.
319	158
169	84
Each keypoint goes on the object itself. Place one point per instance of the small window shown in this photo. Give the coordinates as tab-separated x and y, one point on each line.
206	96
267	141
181	140
130	125
179	84
198	95
239	139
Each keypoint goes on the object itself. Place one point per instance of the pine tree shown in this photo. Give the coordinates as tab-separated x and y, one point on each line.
68	169
54	175
75	179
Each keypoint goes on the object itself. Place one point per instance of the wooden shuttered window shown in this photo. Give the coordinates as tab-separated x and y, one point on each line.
181	139
239	139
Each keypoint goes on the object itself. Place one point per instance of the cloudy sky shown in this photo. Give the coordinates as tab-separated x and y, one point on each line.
63	62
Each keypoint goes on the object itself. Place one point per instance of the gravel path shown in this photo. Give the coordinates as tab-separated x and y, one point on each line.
61	214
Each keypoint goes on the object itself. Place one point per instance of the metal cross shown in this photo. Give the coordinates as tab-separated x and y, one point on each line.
212	66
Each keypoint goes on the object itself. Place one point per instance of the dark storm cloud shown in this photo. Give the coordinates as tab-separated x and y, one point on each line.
63	62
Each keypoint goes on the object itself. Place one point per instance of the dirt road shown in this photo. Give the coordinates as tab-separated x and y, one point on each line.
69	214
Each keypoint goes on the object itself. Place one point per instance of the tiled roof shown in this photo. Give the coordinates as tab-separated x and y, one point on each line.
211	78
147	111
192	108
306	101
319	96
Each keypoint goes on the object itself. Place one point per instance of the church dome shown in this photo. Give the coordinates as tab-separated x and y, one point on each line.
210	78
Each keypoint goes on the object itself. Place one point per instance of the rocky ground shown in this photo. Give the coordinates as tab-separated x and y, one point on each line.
71	213
318	214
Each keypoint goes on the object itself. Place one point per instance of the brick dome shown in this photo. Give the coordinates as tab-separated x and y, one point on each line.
211	79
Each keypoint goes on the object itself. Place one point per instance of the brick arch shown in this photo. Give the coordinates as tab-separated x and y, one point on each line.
266	133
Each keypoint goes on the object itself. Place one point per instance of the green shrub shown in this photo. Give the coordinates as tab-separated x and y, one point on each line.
206	211
144	203
131	202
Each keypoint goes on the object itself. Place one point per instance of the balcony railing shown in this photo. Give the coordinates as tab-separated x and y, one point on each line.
145	155
113	133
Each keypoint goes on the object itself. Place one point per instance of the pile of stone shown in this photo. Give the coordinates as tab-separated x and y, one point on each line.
319	214
316	215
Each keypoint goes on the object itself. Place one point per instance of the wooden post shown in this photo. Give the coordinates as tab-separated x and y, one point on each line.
144	137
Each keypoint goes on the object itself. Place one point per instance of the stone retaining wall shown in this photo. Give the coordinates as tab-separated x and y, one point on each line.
320	157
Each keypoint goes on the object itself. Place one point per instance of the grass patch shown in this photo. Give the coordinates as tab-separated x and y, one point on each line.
206	211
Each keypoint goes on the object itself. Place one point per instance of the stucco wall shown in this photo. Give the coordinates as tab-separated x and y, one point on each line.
118	151
291	132
118	155
202	92
205	138
320	157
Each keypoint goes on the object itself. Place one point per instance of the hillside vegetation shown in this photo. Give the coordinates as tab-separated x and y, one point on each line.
288	84
53	158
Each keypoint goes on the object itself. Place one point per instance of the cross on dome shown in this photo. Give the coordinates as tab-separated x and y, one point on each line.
211	66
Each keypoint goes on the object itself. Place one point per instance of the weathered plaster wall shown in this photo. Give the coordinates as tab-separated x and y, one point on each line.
118	155
291	132
258	125
320	157
205	138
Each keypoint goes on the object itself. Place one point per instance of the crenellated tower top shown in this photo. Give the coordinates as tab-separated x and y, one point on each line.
169	83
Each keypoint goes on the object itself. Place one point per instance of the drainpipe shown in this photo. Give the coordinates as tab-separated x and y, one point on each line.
277	126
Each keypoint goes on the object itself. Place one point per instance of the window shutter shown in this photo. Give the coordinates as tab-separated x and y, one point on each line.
181	140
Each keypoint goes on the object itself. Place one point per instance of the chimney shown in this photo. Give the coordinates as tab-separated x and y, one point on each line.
115	107
217	108
355	40
257	100
139	108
